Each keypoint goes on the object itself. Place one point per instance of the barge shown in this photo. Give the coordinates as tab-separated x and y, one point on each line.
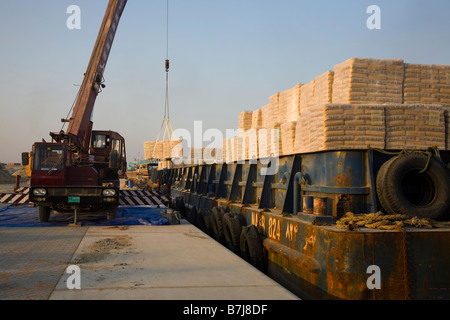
289	223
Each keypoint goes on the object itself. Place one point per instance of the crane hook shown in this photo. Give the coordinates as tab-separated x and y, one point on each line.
167	65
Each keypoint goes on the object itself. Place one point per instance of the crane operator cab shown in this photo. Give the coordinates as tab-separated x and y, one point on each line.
108	151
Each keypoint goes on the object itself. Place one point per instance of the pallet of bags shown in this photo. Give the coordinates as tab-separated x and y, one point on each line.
298	138
274	101
288	137
289	104
252	139
176	148
224	151
166	150
219	155
257	121
306	132
368	81
247	145
264	142
275	141
312	122
269	142
307	95
323	88
239	150
342	127
212	155
270	112
228	150
172	149
243	144
426	84
196	156
149	146
267	115
158	151
415	126
245	120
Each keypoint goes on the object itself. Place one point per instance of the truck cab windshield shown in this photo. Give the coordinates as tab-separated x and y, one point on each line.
49	158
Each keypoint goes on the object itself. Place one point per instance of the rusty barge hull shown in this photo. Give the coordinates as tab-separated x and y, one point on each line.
302	247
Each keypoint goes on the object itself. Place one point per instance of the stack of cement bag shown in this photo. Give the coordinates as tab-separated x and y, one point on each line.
363	103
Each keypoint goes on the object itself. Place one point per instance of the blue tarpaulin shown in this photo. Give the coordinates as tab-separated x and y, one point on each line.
27	216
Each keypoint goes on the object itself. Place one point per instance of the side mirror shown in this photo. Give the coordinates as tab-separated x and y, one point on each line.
25	158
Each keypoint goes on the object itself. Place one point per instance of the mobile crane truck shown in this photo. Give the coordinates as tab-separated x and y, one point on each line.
80	168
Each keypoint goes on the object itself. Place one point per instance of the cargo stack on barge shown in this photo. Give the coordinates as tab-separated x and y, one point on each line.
339	188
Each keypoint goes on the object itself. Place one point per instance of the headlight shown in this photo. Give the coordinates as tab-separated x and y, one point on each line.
39	192
109	192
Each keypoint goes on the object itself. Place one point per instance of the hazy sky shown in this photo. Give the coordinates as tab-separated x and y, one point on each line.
226	57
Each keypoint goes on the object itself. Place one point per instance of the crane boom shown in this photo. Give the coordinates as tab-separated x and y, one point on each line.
80	125
80	169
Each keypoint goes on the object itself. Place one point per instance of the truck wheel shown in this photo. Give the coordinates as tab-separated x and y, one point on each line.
111	214
44	213
403	189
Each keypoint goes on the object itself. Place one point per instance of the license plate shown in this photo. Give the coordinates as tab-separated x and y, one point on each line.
74	200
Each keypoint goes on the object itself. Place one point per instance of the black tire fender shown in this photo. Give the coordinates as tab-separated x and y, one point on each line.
380	188
207	218
252	248
232	232
217	224
403	189
193	215
200	220
180	206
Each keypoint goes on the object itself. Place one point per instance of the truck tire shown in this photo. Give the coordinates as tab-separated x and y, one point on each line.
232	232
402	189
251	247
43	213
111	213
